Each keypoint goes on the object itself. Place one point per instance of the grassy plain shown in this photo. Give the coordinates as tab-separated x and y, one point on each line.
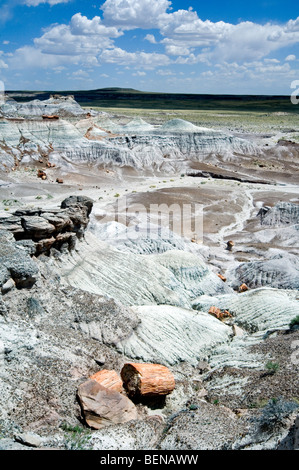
242	121
239	113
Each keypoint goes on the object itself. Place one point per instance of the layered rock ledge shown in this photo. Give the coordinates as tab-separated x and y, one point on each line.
32	232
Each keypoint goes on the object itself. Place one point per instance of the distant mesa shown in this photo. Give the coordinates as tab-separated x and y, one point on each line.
179	125
62	97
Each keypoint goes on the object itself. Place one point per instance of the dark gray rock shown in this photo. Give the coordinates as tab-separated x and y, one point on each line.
78	202
78	209
12	224
37	227
60	220
39	231
15	263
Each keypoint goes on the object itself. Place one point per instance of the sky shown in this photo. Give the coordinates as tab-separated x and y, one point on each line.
193	46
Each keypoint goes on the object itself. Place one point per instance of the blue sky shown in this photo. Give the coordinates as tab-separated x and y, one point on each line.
217	47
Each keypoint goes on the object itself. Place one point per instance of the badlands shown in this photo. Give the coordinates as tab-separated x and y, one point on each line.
167	245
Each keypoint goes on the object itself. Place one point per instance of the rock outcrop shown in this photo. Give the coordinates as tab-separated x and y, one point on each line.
280	271
283	213
172	278
44	229
99	141
169	335
56	105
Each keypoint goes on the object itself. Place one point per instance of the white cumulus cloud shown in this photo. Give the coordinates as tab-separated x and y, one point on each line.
290	57
132	14
35	3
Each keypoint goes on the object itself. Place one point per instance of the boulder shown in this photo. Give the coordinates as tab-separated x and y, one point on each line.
103	407
29	439
78	209
77	202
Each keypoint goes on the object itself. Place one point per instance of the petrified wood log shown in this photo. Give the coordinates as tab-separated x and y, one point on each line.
109	379
243	288
147	379
50	117
217	313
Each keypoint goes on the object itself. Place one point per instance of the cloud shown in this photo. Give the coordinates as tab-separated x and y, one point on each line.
6	10
3	65
164	73
81	37
137	59
35	3
183	30
245	50
139	74
130	14
290	57
151	38
29	57
81	74
175	49
249	41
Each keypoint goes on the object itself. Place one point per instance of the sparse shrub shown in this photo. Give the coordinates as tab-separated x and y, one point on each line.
10	202
274	413
193	407
294	322
116	195
77	437
272	367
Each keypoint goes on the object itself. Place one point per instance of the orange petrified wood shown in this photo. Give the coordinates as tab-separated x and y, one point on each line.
147	379
108	379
